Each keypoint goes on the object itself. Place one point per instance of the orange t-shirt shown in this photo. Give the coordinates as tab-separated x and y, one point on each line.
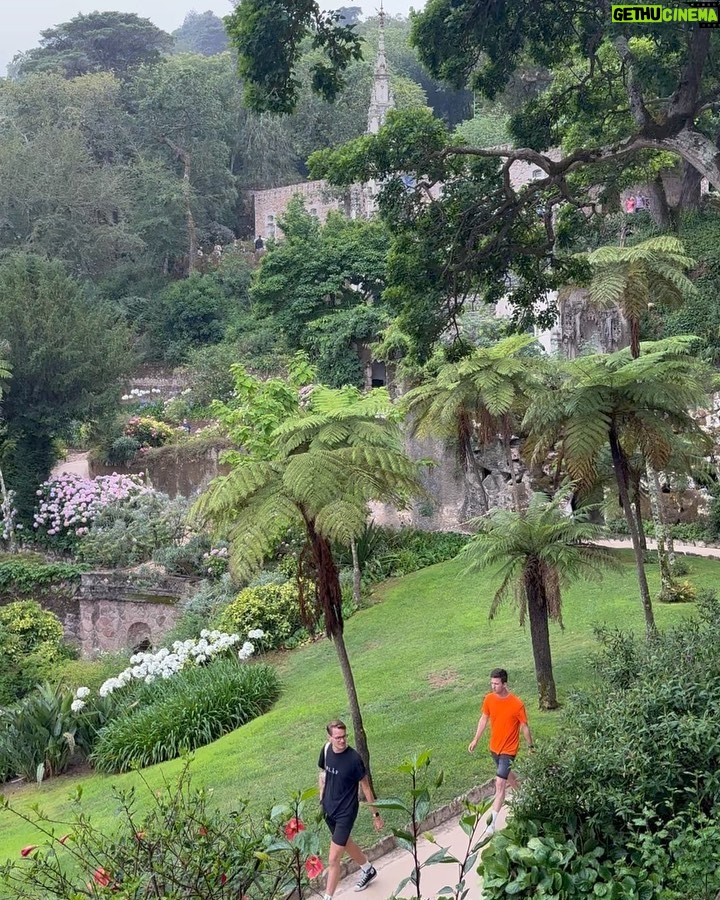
506	715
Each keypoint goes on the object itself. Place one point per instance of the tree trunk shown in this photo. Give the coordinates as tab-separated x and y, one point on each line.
357	574
637	504
660	535
507	439
540	637
690	189
659	209
621	476
8	516
330	596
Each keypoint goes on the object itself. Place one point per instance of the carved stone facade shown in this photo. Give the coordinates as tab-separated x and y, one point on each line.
582	327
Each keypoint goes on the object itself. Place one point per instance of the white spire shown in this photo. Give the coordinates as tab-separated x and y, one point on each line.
381	99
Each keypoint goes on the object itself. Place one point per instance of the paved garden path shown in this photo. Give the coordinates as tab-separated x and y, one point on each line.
687	549
396	865
75	463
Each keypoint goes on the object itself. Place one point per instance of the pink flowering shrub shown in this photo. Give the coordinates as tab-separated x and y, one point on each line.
149	432
68	504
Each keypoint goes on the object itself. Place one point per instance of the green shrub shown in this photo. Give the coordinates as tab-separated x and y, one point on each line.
122	450
680	592
25	576
202	608
187	558
37	735
31	644
149	432
630	775
391	553
190	710
275	608
129	533
171	842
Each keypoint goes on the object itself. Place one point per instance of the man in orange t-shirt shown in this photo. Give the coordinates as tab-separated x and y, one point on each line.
507	717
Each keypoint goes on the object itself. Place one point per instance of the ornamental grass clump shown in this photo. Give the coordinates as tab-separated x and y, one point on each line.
69	504
191	710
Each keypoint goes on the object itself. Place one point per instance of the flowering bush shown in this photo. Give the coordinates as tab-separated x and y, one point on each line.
165	663
68	504
224	857
216	561
185	711
149	432
125	534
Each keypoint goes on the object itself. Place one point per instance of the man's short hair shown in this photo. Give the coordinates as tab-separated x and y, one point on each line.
336	723
501	674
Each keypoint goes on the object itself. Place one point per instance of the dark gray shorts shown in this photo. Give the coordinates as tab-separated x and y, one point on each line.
340	828
504	762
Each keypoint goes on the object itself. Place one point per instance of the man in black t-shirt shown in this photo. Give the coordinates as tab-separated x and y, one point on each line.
341	771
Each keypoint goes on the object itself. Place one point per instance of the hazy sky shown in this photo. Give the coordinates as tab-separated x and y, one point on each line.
23	20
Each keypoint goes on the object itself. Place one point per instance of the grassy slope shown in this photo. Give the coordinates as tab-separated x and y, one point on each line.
421	657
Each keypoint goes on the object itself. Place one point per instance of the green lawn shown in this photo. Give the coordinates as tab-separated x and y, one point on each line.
421	656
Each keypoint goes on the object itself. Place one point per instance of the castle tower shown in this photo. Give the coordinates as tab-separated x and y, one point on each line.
381	99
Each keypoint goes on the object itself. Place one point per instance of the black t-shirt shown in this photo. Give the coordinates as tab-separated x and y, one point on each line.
343	772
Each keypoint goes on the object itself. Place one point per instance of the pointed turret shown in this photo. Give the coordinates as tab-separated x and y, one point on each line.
381	99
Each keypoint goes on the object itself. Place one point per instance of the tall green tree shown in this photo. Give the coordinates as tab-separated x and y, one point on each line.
322	284
201	33
67	351
631	405
475	401
635	279
314	469
538	551
97	42
652	273
618	98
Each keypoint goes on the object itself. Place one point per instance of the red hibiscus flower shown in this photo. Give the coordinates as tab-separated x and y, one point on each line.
313	866
26	851
101	876
223	878
293	827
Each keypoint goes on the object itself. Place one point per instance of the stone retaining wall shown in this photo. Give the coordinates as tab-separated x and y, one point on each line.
123	610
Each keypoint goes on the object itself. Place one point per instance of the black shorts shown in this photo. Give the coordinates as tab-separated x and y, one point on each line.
504	762
340	828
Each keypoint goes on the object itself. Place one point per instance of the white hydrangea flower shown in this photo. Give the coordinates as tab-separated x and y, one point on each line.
256	634
82	692
77	705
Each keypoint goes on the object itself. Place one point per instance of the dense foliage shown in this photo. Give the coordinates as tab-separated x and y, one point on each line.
31	646
623	803
223	856
272	607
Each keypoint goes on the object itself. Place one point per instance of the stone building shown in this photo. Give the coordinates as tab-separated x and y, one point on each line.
319	197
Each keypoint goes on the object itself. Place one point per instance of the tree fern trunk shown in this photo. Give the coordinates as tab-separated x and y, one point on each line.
330	597
540	639
357	574
637	504
621	476
664	563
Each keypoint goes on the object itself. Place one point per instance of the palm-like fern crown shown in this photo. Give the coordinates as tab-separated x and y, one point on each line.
647	401
634	277
481	392
328	461
543	542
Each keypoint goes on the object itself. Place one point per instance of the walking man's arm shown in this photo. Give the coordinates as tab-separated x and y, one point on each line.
525	728
370	797
482	724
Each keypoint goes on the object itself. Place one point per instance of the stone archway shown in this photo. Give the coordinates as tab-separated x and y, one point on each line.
139	638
